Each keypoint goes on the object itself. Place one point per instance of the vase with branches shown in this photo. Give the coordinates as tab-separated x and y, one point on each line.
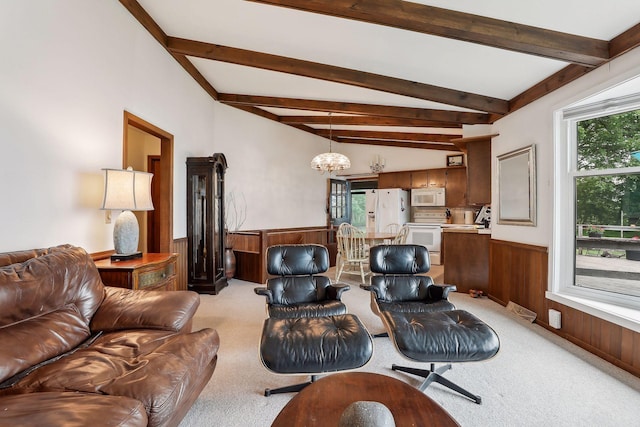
235	214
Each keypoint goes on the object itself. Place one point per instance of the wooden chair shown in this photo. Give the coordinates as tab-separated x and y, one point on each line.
401	236
352	251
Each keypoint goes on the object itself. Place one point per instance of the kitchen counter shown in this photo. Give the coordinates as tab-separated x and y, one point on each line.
465	228
465	251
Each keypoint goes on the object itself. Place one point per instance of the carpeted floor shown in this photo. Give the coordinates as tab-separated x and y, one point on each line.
537	379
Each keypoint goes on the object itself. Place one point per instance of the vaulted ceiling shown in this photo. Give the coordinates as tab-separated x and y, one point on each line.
388	72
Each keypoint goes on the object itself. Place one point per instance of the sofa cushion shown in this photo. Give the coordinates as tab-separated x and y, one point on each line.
155	367
55	295
64	409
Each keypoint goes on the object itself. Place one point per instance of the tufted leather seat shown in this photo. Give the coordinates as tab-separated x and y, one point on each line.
399	283
315	345
299	290
423	325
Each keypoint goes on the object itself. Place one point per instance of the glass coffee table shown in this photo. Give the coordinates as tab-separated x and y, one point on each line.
323	402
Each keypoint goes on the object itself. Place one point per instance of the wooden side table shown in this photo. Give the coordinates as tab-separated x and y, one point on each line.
151	272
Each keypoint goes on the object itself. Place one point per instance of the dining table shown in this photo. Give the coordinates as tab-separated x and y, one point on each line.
376	238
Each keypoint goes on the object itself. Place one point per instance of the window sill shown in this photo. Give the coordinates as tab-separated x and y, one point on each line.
626	317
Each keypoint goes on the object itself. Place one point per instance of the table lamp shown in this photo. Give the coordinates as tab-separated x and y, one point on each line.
126	190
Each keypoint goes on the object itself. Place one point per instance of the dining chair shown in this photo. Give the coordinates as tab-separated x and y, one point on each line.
353	251
401	236
392	228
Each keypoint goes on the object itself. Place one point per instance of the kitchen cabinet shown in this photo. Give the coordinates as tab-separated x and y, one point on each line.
466	259
479	172
478	150
395	180
428	178
456	187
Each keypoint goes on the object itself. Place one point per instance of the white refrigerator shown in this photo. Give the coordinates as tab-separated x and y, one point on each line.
386	206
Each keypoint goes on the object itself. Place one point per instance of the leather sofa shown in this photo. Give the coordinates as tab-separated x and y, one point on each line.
75	352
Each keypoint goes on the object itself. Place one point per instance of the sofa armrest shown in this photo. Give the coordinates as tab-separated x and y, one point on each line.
128	309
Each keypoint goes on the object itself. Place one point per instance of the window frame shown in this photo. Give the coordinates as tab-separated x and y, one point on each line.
564	226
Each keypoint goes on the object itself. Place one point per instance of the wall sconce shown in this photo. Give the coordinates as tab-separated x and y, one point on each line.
126	190
377	165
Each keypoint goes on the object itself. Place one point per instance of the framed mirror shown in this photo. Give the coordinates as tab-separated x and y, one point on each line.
517	187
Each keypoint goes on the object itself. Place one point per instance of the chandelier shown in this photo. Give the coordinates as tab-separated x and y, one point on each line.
330	161
377	165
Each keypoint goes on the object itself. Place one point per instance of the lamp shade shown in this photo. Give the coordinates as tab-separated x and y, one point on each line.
127	190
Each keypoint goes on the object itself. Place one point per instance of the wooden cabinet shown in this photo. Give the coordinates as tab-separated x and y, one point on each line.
428	178
205	223
413	179
478	151
151	272
466	260
395	180
479	172
456	187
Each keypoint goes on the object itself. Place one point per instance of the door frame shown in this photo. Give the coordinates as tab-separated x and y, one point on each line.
164	210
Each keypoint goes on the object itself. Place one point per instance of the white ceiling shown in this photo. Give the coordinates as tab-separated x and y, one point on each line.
379	49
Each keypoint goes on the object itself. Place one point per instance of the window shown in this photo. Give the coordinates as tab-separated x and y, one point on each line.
597	202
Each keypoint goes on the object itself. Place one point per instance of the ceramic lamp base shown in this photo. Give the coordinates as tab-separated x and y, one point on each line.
126	233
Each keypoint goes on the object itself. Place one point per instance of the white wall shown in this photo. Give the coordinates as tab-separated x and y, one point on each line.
71	69
533	124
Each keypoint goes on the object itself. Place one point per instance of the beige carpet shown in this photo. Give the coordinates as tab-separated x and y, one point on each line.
537	379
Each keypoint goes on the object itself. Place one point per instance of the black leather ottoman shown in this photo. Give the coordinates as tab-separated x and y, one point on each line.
443	336
313	345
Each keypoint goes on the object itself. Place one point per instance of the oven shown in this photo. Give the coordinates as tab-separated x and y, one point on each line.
429	235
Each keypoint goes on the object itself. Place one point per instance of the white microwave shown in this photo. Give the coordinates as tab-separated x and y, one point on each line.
427	197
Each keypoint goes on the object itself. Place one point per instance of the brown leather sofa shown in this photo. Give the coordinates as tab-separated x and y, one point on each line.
74	352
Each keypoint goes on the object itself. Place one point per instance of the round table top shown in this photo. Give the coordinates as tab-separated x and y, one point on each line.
323	402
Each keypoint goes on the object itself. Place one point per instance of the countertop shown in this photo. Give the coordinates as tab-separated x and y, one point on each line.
465	228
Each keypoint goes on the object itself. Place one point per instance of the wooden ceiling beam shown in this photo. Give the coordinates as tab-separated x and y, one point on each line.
389	136
267	115
624	42
368	121
460	26
548	85
459	117
420	145
336	74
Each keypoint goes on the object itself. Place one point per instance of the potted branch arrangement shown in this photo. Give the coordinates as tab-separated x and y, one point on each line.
235	213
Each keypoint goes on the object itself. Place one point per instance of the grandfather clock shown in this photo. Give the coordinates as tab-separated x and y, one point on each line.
205	223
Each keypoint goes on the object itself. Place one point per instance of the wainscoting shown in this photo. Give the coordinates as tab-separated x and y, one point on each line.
180	247
519	273
250	247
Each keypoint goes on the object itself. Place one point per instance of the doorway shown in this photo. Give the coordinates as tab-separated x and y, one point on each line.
142	140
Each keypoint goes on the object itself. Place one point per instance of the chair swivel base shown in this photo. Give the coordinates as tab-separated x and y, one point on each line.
289	389
435	375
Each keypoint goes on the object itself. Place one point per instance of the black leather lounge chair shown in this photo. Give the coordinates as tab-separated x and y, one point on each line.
308	330
422	324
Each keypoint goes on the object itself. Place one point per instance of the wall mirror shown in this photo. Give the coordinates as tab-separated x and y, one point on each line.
517	187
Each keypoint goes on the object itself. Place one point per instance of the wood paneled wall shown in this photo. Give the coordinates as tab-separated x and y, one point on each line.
250	247
519	273
180	247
